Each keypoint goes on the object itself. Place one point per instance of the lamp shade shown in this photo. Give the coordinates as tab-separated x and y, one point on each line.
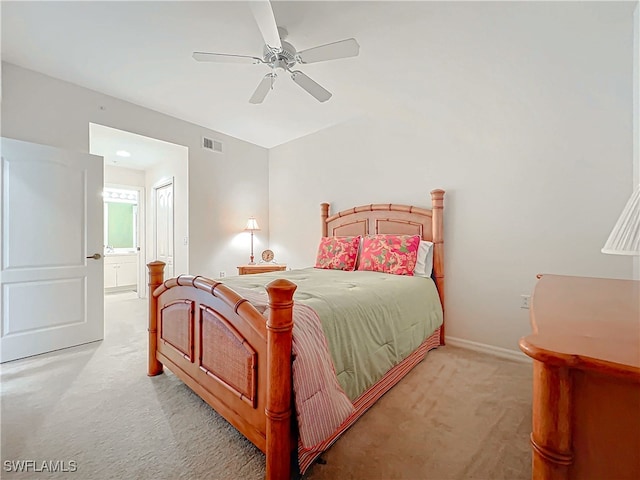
252	224
625	236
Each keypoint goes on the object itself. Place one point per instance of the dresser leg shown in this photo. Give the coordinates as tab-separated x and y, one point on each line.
551	437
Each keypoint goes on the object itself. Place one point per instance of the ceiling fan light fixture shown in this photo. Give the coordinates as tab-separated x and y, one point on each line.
286	55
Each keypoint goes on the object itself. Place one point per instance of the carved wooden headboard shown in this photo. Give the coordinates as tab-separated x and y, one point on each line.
389	218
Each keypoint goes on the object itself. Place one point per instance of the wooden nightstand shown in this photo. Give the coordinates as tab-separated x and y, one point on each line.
260	268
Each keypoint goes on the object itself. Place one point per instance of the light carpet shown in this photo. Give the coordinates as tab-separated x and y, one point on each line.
457	415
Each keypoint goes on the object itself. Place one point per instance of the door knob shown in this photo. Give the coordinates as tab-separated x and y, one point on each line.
96	256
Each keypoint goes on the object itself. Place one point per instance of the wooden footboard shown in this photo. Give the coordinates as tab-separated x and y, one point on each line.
217	343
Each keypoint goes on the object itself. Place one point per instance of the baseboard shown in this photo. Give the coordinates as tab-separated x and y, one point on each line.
516	355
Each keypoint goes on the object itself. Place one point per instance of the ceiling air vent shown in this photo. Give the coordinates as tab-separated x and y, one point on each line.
210	144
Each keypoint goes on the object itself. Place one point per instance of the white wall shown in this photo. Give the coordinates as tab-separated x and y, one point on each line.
224	189
124	176
530	135
170	168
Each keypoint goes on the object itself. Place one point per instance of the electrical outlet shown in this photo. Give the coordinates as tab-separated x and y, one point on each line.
222	274
524	301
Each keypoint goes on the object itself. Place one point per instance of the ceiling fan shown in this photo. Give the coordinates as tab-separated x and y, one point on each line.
281	55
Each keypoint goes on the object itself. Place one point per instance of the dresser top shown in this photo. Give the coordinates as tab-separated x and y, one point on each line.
585	322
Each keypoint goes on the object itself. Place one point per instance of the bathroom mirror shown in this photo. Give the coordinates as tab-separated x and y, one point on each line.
120	220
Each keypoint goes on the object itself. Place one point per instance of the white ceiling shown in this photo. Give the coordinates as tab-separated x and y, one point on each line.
141	52
413	55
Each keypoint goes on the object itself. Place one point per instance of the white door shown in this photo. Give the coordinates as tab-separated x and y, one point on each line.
51	286
164	226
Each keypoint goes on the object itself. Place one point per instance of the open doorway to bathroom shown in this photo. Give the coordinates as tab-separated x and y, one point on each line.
122	226
134	166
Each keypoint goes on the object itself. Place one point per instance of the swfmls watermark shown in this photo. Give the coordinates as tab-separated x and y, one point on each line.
39	466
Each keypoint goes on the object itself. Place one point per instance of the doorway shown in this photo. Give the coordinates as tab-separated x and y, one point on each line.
137	162
122	226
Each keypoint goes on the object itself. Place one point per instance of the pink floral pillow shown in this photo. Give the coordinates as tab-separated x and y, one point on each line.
396	254
338	253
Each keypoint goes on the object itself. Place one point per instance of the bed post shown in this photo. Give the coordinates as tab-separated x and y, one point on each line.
156	277
279	379
437	205
324	214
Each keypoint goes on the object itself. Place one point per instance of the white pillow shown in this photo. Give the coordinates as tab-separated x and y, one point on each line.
424	263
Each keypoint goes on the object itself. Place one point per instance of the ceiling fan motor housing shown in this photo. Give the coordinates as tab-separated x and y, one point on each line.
284	59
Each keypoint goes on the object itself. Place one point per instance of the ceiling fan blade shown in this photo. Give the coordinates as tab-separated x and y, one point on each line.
320	93
225	58
263	88
263	13
331	51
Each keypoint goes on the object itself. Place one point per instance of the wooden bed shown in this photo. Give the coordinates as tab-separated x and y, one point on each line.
220	345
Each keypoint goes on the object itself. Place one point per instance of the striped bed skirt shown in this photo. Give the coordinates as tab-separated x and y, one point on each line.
306	456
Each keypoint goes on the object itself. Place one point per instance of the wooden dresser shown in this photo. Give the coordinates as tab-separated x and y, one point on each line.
585	346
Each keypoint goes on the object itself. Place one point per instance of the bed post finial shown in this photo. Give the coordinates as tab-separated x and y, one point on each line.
437	206
279	379
156	277
324	214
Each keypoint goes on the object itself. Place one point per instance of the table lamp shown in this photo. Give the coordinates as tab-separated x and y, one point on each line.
252	226
625	236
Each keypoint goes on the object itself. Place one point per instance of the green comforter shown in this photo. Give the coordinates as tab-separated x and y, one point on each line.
372	321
